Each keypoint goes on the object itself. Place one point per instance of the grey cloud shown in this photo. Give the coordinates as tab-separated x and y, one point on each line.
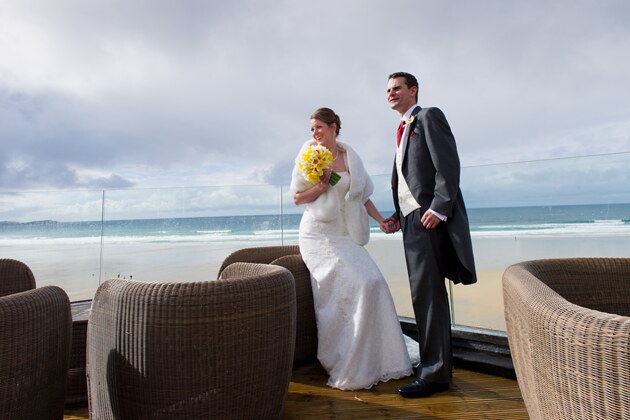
583	180
112	181
39	175
160	86
278	174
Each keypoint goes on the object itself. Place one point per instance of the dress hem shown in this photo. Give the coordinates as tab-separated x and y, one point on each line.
384	378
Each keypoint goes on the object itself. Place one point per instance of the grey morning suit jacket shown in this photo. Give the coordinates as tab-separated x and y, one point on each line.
431	169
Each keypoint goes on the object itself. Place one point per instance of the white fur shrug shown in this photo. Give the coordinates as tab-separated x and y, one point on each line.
327	207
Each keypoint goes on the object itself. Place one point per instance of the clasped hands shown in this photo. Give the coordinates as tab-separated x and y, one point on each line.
390	225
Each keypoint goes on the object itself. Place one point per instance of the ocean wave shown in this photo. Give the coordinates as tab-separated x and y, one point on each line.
84	240
217	232
592	228
619	227
135	239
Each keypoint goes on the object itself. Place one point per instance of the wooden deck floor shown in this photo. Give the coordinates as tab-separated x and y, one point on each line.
472	396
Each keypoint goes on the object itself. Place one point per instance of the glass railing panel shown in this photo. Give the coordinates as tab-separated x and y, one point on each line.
387	249
57	234
291	216
560	208
183	234
545	209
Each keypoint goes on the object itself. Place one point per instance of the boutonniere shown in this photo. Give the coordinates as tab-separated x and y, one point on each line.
409	122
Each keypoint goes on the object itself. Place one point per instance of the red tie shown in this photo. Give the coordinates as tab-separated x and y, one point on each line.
399	133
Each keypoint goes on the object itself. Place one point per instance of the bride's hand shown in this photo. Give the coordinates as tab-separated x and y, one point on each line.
325	179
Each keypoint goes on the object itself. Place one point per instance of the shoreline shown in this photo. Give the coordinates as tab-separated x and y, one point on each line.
481	304
77	268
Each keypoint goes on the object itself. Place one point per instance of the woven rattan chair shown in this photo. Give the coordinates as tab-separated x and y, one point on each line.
35	335
288	256
76	388
15	277
568	324
217	349
260	255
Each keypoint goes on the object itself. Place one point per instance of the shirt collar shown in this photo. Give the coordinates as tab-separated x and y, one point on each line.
408	113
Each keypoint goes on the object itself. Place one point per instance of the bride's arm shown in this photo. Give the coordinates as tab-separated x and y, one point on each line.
312	193
385	224
373	211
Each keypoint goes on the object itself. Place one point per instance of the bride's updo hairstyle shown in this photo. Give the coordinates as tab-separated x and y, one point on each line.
328	116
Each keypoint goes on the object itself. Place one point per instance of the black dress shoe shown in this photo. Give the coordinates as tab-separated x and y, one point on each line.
421	388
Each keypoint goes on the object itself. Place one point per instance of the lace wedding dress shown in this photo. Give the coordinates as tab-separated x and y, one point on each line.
360	339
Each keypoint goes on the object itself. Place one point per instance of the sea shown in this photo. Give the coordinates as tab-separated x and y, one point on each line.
534	221
80	256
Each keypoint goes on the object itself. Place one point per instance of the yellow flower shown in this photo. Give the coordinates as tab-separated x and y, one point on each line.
315	159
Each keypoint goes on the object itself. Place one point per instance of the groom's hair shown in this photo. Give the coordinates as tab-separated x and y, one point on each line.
410	80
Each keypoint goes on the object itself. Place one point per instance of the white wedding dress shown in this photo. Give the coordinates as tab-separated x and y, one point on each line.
360	339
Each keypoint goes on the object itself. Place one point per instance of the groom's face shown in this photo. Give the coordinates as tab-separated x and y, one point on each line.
399	96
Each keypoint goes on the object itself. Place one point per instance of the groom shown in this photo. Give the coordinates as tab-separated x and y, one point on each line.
430	210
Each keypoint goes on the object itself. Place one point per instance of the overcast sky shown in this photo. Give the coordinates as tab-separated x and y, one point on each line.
154	93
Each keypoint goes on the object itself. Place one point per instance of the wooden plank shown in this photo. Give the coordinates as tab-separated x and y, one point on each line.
472	396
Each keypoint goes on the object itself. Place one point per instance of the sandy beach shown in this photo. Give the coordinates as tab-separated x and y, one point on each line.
76	267
478	305
481	304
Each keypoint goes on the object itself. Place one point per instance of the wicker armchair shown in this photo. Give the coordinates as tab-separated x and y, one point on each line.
15	277
260	255
35	335
568	324
288	256
217	349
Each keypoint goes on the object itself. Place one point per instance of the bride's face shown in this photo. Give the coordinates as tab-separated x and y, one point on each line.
323	133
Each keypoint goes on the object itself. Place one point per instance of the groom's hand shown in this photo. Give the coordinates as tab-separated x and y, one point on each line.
429	220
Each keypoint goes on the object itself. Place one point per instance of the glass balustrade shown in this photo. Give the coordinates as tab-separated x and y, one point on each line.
57	234
574	207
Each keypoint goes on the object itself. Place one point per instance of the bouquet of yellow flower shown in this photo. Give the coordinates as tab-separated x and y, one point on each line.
315	159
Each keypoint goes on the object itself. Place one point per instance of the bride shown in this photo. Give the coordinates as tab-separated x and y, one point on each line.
360	339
